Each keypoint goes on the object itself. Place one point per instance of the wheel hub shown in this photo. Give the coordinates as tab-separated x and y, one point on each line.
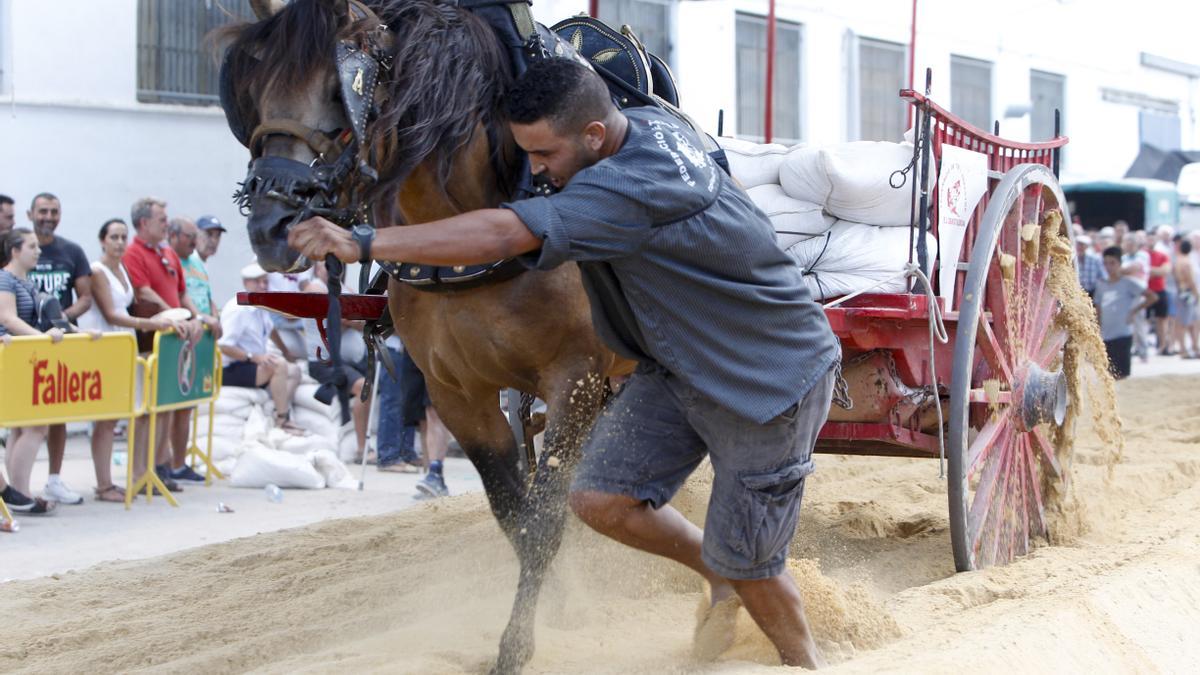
1043	397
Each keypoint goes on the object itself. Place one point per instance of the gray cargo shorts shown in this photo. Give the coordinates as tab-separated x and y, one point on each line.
657	430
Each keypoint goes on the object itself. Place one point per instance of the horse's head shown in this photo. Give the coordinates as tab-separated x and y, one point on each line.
298	87
339	102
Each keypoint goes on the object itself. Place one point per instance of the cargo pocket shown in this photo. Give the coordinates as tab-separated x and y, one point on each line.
773	508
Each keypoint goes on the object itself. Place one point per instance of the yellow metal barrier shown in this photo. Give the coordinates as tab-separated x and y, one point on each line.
178	376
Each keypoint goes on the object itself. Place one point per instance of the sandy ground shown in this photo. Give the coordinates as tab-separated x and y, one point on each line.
428	589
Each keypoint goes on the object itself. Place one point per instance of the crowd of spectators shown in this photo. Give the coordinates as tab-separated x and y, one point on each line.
1144	286
152	275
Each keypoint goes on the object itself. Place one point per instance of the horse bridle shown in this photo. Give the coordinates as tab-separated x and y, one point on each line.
342	171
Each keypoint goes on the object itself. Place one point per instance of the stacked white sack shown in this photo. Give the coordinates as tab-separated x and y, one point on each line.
324	421
794	220
853	180
239	415
855	256
753	164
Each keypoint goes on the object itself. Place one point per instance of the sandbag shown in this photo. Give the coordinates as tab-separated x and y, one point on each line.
753	164
259	466
347	448
232	406
225	448
853	180
330	467
303	398
254	396
794	220
302	445
315	422
854	256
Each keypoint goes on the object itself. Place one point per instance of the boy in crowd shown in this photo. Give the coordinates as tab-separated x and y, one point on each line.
1119	299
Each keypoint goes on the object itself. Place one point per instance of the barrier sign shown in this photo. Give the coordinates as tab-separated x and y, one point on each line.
80	378
185	373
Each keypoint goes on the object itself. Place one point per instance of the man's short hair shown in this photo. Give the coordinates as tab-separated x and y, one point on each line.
142	209
5	199
1113	252
565	93
43	195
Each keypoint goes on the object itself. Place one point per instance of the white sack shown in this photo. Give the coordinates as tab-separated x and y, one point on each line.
315	422
232	406
302	445
259	466
303	398
330	467
254	396
852	180
347	448
856	257
225	448
753	164
794	220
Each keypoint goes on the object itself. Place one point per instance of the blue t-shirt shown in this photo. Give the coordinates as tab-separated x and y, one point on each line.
23	290
1116	300
684	271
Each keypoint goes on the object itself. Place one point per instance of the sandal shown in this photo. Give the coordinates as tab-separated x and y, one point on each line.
400	467
112	493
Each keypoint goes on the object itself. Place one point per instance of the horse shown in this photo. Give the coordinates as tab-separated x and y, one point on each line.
437	146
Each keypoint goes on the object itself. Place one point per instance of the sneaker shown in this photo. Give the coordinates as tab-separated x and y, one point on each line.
164	474
57	491
432	486
19	503
187	473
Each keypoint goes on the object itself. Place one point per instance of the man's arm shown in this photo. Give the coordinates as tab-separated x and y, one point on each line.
83	297
147	294
469	238
205	319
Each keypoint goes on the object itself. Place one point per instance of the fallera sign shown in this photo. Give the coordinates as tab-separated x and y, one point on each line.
76	379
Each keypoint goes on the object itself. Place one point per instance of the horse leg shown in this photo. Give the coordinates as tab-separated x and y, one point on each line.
481	429
571	410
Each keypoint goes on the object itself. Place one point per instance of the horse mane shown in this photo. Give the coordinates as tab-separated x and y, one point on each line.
449	76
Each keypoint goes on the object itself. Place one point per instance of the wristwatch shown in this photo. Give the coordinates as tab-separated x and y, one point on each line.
364	235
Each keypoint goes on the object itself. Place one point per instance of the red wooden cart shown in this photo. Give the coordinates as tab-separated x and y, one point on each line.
993	388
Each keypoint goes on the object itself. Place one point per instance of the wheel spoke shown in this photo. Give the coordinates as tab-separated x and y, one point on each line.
1043	320
1022	510
981	506
1051	349
996	516
1047	452
986	439
993	352
1035	488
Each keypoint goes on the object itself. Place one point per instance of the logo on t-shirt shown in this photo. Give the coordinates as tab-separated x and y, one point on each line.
683	149
52	281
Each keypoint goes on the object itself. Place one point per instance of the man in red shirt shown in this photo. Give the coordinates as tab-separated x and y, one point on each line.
1160	311
158	283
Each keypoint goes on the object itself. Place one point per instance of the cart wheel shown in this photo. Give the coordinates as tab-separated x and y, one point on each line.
1007	384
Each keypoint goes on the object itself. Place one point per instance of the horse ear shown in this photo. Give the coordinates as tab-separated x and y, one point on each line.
265	9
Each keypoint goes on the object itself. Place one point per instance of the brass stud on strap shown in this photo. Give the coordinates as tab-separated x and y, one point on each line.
459	269
414	271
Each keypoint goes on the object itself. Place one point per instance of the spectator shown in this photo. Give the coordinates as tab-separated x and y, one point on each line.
1186	326
1120	232
416	410
1117	302
62	271
19	254
323	372
395	438
112	294
182	235
244	356
211	230
289	330
1163	239
1088	265
1157	277
157	277
7	215
1135	263
1104	238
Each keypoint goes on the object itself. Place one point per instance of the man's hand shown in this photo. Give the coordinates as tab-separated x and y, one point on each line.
316	237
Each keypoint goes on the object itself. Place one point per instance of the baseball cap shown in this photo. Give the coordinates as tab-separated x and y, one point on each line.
209	223
1083	239
253	271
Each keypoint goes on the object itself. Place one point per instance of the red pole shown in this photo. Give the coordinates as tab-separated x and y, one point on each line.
593	8
912	58
770	68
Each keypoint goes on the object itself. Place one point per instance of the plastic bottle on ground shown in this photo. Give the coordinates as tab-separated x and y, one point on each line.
274	494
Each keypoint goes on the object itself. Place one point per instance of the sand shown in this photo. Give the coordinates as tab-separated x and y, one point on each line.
428	590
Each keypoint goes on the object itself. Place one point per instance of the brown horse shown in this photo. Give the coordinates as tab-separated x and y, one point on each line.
440	147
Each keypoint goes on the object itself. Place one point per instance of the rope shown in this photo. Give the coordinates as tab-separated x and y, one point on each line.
937	330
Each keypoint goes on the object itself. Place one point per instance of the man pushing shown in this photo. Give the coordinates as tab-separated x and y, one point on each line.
685	277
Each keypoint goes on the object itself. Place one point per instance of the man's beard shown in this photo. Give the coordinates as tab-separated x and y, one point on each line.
44	229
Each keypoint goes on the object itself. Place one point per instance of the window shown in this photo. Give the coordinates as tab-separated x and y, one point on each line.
175	64
752	79
971	91
882	74
1159	129
1046	91
649	19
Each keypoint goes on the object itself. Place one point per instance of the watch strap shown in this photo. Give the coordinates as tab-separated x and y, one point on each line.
364	235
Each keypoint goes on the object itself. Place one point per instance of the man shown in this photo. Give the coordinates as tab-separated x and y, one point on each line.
182	236
211	230
159	285
244	356
63	271
1088	265
1120	299
8	213
695	265
1135	263
1160	271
